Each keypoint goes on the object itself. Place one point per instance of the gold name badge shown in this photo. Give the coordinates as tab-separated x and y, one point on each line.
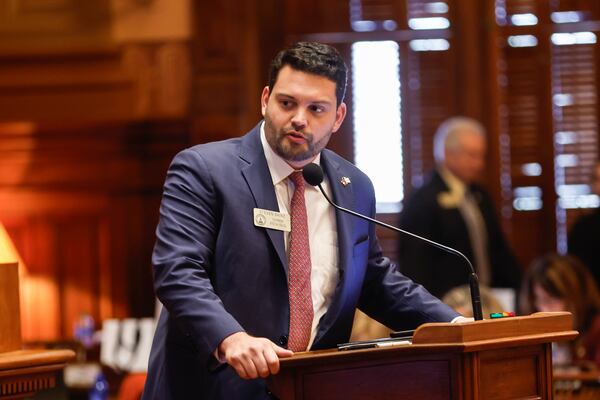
272	220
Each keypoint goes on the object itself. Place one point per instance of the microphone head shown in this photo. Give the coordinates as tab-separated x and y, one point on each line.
313	174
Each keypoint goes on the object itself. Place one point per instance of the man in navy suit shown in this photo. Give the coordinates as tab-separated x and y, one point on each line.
221	255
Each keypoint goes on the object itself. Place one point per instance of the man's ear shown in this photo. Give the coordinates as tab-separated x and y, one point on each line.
264	99
340	114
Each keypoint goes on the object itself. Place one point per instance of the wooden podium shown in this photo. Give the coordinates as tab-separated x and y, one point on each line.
507	358
22	372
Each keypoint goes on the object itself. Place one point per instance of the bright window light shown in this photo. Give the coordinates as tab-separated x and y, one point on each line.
377	123
531	169
523	19
566	39
573	190
363	26
437	7
429	23
566	160
565	137
584	201
528	198
522	41
429	45
563	17
563	99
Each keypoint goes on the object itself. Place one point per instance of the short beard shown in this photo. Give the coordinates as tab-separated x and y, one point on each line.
286	151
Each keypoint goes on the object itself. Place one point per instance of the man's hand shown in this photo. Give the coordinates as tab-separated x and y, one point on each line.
252	357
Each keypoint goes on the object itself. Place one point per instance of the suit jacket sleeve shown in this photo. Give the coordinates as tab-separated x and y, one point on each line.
184	250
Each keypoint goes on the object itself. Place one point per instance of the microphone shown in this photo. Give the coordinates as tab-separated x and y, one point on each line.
313	175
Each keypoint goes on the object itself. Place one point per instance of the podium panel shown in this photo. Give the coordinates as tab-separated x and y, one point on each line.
503	359
412	377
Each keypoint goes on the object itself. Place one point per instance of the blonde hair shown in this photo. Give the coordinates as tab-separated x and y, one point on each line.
459	298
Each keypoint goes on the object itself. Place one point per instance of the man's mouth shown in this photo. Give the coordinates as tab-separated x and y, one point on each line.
296	137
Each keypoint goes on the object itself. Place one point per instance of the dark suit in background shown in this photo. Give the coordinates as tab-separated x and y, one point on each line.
435	269
584	240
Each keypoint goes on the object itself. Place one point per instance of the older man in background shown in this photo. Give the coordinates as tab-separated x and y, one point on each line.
452	209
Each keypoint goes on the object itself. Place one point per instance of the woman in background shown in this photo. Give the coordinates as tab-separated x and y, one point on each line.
562	283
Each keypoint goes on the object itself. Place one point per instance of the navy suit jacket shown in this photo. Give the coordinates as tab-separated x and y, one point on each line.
216	273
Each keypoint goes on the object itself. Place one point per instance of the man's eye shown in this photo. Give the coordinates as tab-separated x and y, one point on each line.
317	109
286	103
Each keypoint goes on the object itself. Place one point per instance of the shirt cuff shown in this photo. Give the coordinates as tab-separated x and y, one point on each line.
460	318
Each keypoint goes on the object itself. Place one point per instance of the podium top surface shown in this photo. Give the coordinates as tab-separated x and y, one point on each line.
463	337
542	326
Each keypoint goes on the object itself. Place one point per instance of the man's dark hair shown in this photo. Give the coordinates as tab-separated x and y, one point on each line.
313	58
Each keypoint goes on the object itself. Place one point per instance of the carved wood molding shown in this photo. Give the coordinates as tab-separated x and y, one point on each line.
133	82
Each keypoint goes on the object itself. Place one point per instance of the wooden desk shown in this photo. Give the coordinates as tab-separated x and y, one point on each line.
25	372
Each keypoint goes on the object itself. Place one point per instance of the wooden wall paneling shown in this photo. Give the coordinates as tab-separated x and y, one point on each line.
546	131
83	198
524	110
55	23
106	83
342	142
467	36
63	86
227	81
81	175
494	111
78	274
132	255
302	16
430	94
40	296
161	75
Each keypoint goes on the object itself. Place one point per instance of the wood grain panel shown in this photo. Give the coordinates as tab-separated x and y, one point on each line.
81	204
10	323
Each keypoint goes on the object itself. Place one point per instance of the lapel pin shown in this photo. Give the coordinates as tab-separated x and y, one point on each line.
345	180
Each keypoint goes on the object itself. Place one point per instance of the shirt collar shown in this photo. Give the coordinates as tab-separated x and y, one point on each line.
453	182
279	169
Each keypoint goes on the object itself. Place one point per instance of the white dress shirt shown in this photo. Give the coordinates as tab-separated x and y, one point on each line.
322	231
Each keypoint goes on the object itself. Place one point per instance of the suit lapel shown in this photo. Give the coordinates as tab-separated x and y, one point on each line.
258	177
342	196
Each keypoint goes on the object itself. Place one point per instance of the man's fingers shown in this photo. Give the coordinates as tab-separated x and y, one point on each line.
281	352
252	357
262	364
272	360
250	368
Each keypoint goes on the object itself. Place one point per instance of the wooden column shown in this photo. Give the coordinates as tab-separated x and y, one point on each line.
10	322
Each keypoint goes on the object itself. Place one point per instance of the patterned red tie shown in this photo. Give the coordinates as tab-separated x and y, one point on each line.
301	307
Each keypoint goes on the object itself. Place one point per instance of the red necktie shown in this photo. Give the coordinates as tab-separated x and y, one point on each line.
301	307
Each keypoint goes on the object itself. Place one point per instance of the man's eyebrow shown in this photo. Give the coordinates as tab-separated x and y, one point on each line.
290	97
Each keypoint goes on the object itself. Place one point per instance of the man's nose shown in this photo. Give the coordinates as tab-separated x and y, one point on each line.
299	119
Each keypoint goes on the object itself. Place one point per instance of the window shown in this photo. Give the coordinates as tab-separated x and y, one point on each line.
377	123
397	82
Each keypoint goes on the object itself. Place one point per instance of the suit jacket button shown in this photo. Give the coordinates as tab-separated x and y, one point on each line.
283	340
